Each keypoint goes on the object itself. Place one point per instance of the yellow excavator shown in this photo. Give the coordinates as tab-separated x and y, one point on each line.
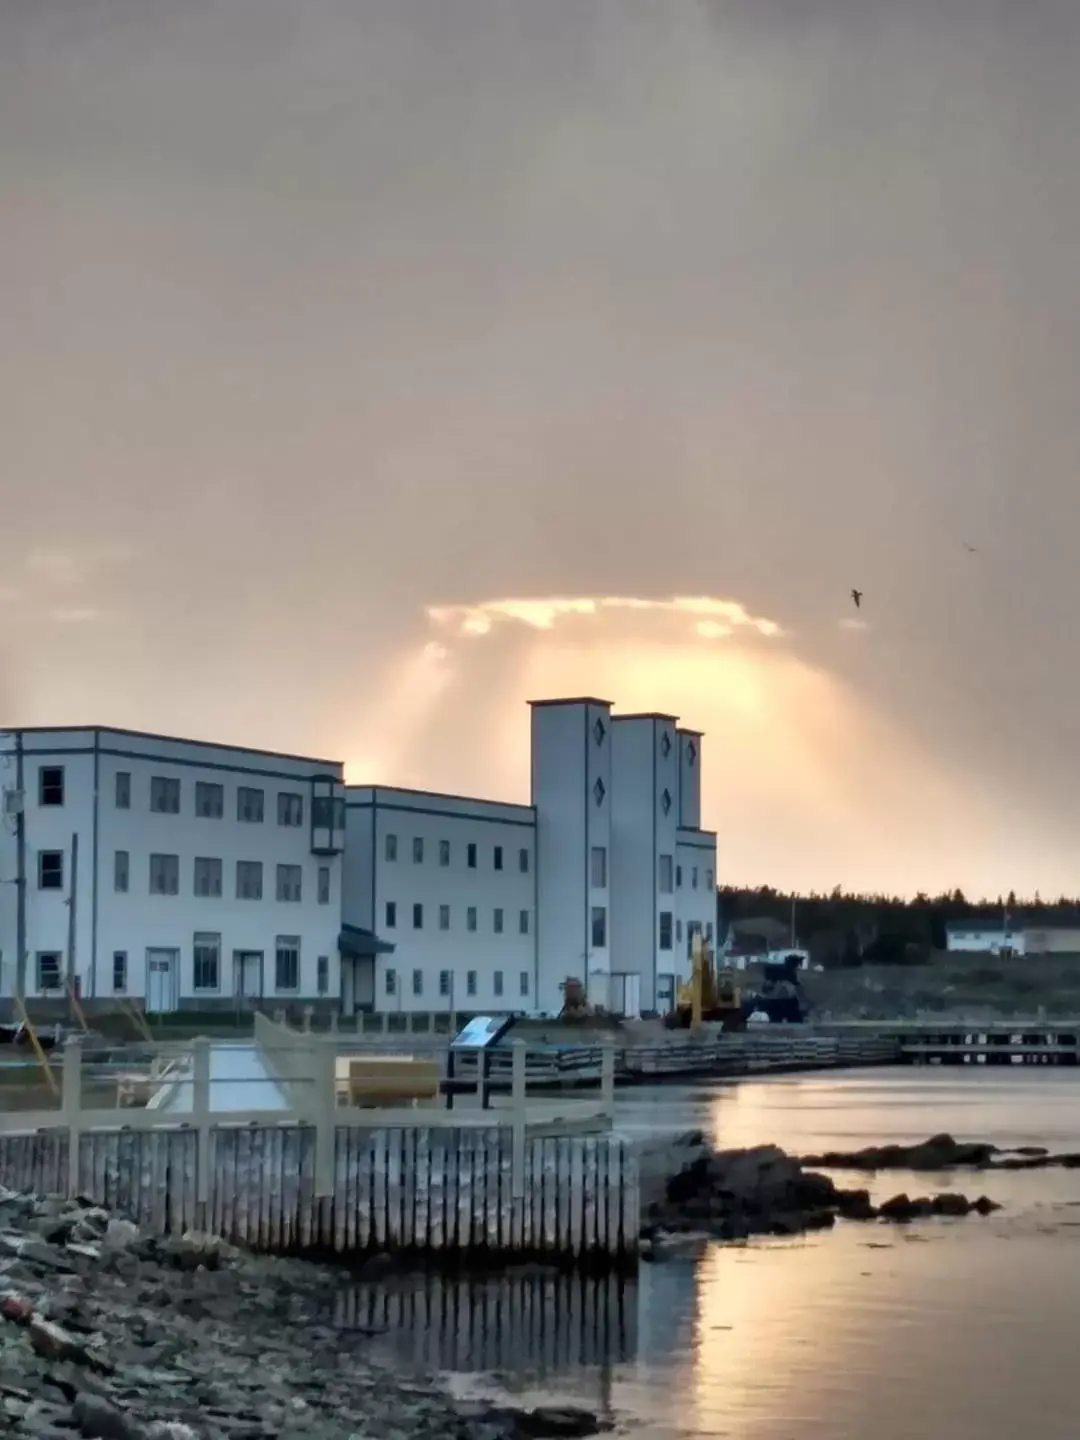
709	995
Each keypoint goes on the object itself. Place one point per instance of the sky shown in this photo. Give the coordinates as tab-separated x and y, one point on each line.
353	353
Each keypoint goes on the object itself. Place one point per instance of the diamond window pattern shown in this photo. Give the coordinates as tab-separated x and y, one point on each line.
599	792
665	801
665	746
691	752
599	731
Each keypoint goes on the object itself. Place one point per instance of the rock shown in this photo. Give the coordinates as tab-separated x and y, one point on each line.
53	1342
940	1152
120	1235
98	1419
983	1206
855	1205
951	1204
17	1309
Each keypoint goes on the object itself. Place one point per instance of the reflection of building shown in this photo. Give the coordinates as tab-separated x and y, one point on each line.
605	876
185	873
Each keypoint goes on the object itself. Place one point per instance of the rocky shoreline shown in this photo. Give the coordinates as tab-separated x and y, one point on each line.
736	1194
942	1152
111	1335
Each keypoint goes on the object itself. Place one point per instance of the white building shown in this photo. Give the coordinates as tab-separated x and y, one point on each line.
604	877
172	870
452	883
1015	935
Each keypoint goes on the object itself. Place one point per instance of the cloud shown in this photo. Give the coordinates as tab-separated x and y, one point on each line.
712	618
852	622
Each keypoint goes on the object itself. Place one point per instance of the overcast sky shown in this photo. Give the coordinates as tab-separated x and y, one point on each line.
315	317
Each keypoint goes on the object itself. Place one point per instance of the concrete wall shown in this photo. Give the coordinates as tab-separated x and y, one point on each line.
689	778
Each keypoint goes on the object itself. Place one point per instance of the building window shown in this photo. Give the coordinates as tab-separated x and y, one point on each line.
708	880
390	915
665	929
708	929
322	974
50	875
470	918
164	874
497	983
664	869
119	971
470	982
390	981
287	963
209	800
249	880
523	922
693	878
678	877
444	852
599	867
418	850
290	881
418	917
418	982
206	962
444	982
524	982
164	795
48	970
121	872
599	792
290	809
208	877
691	752
665	801
523	861
693	927
498	857
599	731
324	885
390	851
51	788
444	917
599	926
471	855
678	932
250	805
498	922
123	790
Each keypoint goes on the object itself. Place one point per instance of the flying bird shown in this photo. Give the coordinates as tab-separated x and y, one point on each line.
969	548
856	595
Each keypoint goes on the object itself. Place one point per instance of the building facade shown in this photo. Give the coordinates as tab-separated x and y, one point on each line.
184	874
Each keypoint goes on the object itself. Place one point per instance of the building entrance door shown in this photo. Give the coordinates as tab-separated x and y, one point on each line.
248	974
162	981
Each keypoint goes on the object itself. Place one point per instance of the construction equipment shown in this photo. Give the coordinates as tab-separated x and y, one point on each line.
709	995
575	1004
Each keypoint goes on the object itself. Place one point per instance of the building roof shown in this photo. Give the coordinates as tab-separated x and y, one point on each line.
166	739
359	943
647	715
572	700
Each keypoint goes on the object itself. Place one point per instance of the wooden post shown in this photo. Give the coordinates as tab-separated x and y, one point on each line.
200	1115
607	1077
71	1105
323	1110
518	1103
308	1013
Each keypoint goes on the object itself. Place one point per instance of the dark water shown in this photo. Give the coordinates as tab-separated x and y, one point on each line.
961	1328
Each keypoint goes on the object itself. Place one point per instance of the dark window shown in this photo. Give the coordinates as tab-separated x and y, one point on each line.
290	809
50	875
599	730
678	877
599	867
523	922
418	917
523	861
599	791
250	805
708	880
470	982
678	932
471	855
599	926
691	752
121	872
524	982
51	788
708	929
390	850
498	922
693	878
322	974
390	981
249	880
664	877
290	880
287	963
444	917
119	971
665	929
444	852
418	850
444	982
324	885
123	790
164	874
209	800
208	878
206	962
497	982
418	982
665	801
470	918
164	795
498	857
48	970
390	914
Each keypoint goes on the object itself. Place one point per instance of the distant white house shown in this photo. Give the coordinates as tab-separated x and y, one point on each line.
1014	936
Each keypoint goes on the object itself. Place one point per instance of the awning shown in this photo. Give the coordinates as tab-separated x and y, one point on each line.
361	944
